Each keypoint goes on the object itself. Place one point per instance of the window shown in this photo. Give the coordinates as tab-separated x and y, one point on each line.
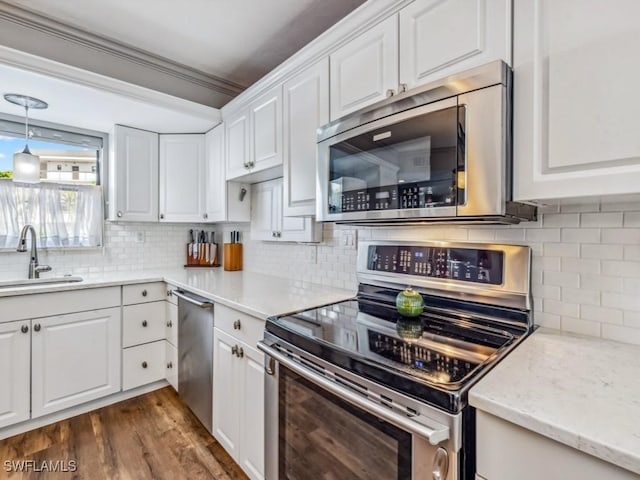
66	208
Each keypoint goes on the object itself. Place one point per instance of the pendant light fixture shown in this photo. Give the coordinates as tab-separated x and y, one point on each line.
26	166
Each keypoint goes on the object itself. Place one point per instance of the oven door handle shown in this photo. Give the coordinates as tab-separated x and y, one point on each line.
436	435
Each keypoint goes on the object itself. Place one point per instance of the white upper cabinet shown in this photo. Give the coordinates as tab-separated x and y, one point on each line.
306	107
268	222
438	38
237	144
133	171
365	70
575	112
266	130
182	174
254	136
224	201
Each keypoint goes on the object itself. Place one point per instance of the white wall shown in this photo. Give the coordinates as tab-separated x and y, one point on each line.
586	263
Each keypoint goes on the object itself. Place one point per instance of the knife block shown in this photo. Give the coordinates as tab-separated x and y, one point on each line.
232	256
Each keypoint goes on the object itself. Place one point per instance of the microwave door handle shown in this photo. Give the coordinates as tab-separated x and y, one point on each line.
436	435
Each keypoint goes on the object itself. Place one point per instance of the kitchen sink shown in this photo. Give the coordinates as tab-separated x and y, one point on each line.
39	281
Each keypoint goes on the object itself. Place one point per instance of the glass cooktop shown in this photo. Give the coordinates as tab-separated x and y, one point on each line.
429	356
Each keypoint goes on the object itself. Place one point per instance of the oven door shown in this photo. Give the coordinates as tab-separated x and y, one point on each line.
321	425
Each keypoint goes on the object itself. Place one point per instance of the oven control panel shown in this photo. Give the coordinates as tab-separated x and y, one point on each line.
462	264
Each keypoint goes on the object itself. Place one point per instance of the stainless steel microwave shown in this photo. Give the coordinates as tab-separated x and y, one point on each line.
439	153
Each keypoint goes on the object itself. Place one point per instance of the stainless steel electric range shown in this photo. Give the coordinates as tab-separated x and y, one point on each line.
357	391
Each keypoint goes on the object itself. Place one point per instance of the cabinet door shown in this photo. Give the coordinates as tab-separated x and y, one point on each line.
295	229
237	144
365	69
306	107
133	181
266	130
171	361
15	358
216	182
226	397
575	108
252	413
439	38
266	209
182	173
76	358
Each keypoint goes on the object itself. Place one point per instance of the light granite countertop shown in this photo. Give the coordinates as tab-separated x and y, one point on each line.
580	391
252	293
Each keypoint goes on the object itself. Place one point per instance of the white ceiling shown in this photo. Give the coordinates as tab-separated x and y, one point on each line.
238	40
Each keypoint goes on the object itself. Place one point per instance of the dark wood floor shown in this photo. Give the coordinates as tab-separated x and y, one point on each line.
154	436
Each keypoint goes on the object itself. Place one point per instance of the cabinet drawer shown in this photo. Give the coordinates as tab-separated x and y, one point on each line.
143	323
171	323
171	365
241	326
143	293
143	364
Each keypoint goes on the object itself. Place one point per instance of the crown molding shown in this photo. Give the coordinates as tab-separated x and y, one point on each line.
357	22
32	20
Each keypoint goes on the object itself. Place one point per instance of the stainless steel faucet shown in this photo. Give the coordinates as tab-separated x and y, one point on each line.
34	267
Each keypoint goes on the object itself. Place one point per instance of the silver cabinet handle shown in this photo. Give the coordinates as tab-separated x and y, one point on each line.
403	88
170	324
187	298
237	325
144	365
240	352
24	329
36	327
234	350
205	216
144	323
435	435
119	213
170	365
391	92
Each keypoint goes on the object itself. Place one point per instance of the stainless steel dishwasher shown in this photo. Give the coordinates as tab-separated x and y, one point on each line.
195	354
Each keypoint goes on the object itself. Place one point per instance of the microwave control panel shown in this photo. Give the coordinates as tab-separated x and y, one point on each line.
382	198
462	264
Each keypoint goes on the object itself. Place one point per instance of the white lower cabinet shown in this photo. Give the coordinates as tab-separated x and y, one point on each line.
76	358
171	365
15	365
506	451
238	397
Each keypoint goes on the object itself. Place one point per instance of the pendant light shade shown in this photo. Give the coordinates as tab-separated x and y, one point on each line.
26	166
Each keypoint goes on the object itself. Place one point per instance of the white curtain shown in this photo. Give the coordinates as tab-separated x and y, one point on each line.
63	215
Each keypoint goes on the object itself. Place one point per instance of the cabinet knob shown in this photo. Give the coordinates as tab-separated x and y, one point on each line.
273	234
237	325
144	293
119	213
234	350
170	365
403	88
144	323
205	216
391	92
278	234
36	327
162	216
170	324
144	365
24	329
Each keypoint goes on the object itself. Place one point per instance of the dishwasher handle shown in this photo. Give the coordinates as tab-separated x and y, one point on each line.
187	298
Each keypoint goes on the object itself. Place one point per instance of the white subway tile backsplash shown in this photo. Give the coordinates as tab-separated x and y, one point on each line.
580	326
621	235
580	265
603	283
623	301
602	251
562	279
601	314
543	235
612	219
561	220
632	219
581	235
621	268
581	296
561	250
581	207
632	252
562	308
621	334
